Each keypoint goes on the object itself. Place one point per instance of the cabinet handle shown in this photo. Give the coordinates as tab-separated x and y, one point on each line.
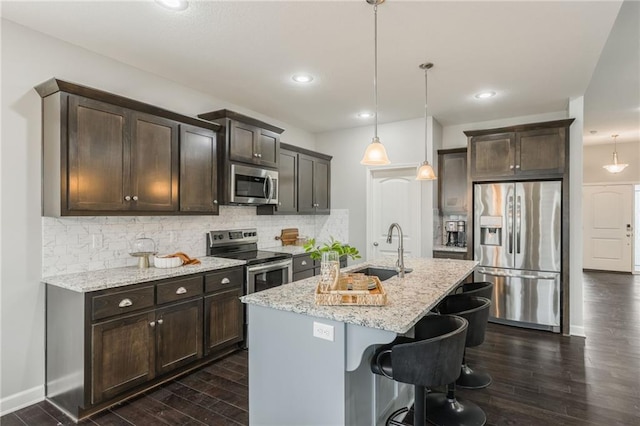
225	281
135	198
255	154
215	201
259	155
160	321
511	167
303	263
127	198
517	166
125	303
152	323
181	290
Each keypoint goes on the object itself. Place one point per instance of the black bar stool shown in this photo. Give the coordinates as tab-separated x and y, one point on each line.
471	379
445	409
432	358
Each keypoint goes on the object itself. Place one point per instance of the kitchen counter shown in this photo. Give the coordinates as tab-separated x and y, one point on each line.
318	356
83	282
408	299
441	247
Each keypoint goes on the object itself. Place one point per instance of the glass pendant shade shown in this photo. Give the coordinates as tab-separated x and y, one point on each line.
375	154
425	172
615	167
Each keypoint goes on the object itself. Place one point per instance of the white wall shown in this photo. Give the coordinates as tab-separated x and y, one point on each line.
404	141
596	156
29	58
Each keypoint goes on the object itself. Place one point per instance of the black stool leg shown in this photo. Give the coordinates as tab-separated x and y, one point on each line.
470	379
445	409
419	407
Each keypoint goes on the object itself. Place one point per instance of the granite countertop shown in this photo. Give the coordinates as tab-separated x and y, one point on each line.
292	250
408	299
83	282
441	247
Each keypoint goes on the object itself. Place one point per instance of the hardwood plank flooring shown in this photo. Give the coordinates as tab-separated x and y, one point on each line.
539	378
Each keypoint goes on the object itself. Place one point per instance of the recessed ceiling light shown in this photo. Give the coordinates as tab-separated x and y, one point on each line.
173	4
302	78
365	114
485	95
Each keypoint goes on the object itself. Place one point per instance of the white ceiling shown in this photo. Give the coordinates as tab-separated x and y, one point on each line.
535	55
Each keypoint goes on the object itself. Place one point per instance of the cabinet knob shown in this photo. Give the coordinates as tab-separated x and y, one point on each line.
255	154
279	203
511	167
259	155
375	244
215	201
303	263
517	166
127	198
125	303
152	323
225	281
181	290
160	321
135	198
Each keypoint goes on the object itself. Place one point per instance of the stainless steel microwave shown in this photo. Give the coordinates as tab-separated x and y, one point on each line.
253	185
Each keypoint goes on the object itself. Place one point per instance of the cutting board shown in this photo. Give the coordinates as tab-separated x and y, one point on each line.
288	236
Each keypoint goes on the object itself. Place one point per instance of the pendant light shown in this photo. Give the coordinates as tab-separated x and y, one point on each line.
425	171
615	167
375	154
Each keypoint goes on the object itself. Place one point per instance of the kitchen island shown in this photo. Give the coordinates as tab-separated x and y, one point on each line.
309	364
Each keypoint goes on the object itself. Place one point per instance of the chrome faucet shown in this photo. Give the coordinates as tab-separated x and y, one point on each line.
400	261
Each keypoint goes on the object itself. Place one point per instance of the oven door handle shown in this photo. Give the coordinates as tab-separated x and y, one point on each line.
269	266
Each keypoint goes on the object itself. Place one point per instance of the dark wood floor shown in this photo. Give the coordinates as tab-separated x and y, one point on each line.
539	378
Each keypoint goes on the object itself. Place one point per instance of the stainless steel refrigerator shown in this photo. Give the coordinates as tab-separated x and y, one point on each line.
517	232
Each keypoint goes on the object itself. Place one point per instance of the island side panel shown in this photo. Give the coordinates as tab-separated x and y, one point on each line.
294	377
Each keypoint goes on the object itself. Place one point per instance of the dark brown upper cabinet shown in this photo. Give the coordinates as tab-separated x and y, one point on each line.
452	181
247	140
304	183
104	154
198	170
528	150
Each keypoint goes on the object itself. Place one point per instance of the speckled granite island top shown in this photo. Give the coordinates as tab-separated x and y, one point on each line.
83	282
408	299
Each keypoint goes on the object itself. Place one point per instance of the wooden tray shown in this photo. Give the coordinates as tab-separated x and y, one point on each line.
374	297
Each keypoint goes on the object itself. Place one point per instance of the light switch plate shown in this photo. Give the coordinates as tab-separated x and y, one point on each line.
323	331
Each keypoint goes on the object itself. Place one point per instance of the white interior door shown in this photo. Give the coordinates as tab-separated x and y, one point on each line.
394	197
608	227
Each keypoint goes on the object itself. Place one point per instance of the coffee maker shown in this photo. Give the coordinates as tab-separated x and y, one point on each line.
456	230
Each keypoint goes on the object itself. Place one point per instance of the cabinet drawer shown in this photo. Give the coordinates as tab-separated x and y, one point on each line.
449	255
225	279
179	289
302	263
122	302
303	274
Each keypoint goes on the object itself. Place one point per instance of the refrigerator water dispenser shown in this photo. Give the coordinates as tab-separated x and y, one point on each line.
491	230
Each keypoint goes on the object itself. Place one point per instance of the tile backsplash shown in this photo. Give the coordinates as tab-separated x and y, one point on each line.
78	244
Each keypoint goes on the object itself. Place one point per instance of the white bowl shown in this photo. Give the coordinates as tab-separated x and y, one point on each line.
166	262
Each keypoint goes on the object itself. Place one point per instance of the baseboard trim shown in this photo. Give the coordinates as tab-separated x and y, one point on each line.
22	399
577	330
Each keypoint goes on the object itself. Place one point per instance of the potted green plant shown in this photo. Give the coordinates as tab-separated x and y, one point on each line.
316	251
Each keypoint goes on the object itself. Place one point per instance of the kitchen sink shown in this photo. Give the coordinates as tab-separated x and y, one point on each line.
381	273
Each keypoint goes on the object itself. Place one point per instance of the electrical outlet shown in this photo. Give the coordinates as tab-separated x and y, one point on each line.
323	331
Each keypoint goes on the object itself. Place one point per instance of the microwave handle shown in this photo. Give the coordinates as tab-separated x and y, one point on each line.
270	180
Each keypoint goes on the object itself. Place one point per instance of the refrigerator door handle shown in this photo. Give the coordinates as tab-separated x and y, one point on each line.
528	276
518	222
510	223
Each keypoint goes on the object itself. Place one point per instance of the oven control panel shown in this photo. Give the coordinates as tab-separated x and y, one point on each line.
237	236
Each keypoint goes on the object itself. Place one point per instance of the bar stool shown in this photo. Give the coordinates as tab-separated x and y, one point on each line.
432	358
471	379
445	409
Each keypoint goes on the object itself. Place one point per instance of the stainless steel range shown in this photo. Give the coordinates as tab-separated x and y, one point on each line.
264	269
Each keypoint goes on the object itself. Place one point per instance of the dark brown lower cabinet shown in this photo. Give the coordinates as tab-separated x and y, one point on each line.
107	345
224	319
178	335
123	354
